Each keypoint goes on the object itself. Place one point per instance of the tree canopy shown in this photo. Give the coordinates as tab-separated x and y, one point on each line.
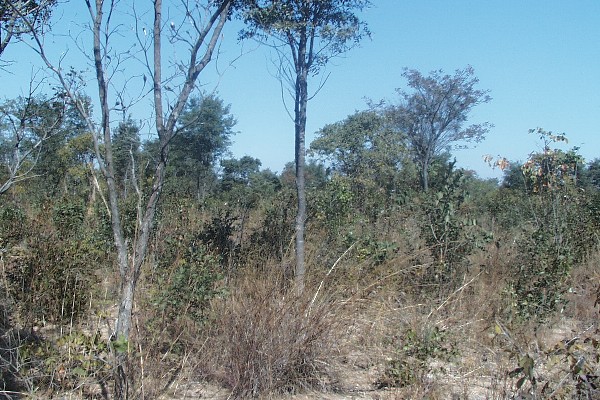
433	114
18	18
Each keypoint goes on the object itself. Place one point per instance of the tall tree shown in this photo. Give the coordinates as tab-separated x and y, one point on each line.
239	171
306	34
26	123
362	145
197	27
22	17
205	128
433	115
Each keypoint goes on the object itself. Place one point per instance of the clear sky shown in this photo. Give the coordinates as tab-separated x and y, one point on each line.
539	58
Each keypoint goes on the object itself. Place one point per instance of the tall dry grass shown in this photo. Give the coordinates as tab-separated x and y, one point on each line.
269	339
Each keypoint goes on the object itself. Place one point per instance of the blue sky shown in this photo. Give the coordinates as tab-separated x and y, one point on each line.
540	60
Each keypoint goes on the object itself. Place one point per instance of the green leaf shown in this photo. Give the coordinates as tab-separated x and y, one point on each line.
121	345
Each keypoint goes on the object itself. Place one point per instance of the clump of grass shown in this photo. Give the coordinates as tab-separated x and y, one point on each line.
270	340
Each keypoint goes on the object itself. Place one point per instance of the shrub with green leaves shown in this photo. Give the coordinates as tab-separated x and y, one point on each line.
559	232
415	350
13	225
70	362
53	278
68	217
187	281
271	239
450	232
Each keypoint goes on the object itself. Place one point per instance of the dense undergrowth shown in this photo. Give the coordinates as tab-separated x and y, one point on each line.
472	289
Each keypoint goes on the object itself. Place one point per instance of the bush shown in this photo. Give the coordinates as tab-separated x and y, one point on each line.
52	279
187	282
34	364
415	350
560	235
13	225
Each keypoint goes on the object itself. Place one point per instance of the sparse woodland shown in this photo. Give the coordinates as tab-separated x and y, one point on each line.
421	281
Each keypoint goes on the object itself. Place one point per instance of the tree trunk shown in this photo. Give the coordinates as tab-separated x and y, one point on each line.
425	163
425	178
121	372
301	102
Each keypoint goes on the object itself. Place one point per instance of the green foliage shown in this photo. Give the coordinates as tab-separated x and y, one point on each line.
64	160
24	18
332	206
187	279
54	269
538	287
332	26
129	215
63	364
371	156
217	235
206	128
13	225
551	169
375	251
243	185
429	343
591	175
315	175
271	239
361	145
415	350
450	232
126	151
68	217
566	370
238	172
559	232
204	134
433	116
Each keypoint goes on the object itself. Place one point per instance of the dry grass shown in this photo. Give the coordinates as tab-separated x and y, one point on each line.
268	339
265	340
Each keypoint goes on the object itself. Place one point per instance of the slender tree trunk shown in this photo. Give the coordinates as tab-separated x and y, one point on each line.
301	102
424	178
426	162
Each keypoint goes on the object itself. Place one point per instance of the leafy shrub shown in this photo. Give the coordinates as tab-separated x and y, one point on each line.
68	217
450	232
538	287
217	235
567	370
72	361
376	251
333	205
415	350
271	238
186	283
559	234
13	225
53	278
